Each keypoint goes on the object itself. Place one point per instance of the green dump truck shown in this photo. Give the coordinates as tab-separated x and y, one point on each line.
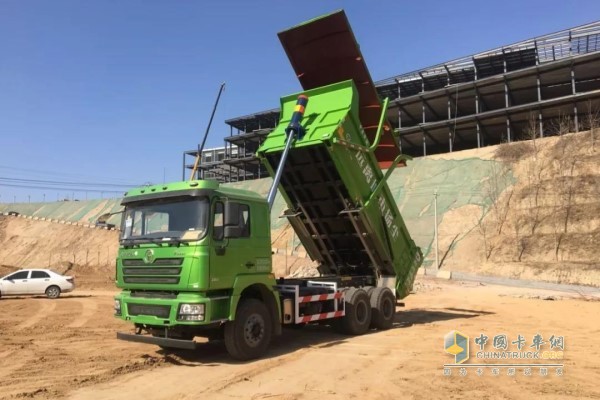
195	257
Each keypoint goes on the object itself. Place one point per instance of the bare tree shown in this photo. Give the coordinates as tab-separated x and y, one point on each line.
592	120
565	159
488	247
499	180
536	167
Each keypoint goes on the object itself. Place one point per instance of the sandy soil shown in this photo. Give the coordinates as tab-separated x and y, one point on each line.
70	249
67	349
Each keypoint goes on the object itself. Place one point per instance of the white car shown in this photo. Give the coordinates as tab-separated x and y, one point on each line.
36	281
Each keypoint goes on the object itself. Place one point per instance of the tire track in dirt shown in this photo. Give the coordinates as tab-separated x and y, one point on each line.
89	308
47	307
254	369
7	367
229	375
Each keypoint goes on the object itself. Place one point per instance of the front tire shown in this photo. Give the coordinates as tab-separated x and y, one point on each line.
53	292
248	336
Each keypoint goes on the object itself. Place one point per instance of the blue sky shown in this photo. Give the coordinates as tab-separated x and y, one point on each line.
115	91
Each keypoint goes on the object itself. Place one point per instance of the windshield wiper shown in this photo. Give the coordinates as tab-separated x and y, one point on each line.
140	240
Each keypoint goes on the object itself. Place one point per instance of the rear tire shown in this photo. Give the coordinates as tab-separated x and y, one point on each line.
248	336
383	308
357	318
53	292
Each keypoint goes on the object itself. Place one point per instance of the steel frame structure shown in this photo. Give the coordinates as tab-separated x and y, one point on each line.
501	95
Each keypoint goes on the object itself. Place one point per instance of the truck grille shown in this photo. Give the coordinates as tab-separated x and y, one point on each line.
150	279
152	271
153	295
162	270
132	262
153	310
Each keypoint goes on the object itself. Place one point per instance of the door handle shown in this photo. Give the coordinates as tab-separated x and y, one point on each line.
249	264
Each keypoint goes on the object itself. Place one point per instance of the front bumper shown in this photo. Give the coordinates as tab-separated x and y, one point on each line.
159	341
159	311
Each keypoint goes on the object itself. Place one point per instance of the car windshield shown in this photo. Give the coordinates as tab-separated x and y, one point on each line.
184	219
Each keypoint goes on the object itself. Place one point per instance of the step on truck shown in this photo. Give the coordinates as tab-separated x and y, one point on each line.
195	257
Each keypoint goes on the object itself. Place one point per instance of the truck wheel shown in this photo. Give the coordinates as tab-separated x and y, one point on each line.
383	308
53	292
358	313
248	336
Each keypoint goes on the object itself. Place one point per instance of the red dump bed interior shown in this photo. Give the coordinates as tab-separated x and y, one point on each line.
324	51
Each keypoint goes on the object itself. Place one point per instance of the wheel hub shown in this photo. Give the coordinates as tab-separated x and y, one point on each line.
254	330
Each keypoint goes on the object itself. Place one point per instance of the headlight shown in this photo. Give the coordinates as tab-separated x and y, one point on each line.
191	312
117	307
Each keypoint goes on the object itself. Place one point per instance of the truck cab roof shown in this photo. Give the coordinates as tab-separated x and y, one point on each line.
197	188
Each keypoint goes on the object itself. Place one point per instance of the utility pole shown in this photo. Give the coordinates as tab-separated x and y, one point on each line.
28	198
435	229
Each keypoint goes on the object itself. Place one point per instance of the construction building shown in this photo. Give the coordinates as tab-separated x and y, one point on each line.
505	94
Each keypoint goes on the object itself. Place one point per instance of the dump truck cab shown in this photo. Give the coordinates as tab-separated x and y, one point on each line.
188	251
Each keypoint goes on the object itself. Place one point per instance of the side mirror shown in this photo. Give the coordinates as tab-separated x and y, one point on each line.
232	215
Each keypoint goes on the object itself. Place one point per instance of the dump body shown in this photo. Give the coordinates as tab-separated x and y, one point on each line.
323	51
338	200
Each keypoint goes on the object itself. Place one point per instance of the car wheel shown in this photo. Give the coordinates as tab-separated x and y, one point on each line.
53	292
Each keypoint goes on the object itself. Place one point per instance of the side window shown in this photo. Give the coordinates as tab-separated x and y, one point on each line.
18	275
218	221
137	223
245	220
39	274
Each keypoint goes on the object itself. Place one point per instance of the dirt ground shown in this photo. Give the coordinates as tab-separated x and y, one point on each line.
66	348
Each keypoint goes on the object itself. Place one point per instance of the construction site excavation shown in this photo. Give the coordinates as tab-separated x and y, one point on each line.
430	235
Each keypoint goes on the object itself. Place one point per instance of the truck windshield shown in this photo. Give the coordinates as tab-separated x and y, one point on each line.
184	219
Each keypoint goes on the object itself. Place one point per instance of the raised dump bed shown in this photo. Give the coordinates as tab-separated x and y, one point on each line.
339	202
323	51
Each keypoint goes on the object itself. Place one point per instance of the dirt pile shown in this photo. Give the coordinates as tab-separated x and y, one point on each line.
88	254
545	225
